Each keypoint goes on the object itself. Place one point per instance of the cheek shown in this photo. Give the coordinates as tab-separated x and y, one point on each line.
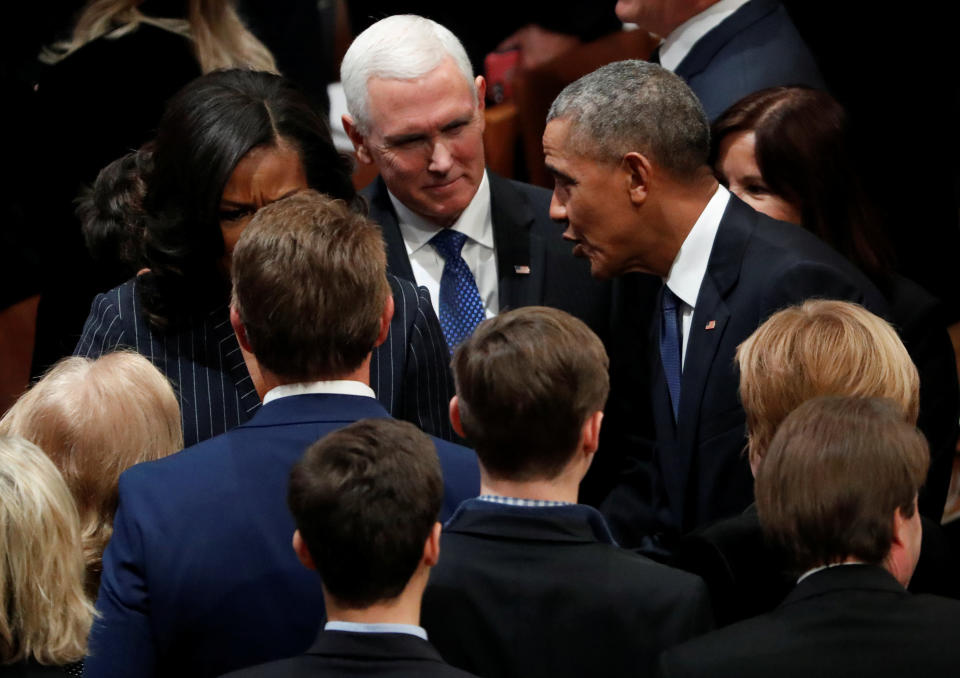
778	208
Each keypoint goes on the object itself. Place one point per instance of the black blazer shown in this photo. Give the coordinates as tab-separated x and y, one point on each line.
408	372
853	621
343	653
525	239
545	592
696	472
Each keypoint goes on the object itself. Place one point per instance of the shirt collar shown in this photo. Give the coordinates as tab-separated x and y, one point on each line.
824	567
338	387
519	501
682	38
690	266
474	222
355	627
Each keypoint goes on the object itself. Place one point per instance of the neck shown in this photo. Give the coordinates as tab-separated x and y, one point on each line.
404	609
264	380
564	487
680	206
681	13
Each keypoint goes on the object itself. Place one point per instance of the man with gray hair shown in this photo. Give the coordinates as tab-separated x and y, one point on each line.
478	242
628	145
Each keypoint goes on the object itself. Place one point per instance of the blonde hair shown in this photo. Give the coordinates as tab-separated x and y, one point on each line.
820	348
220	39
45	615
95	419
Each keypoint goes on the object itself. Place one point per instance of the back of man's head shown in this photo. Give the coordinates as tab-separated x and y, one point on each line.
527	381
365	499
399	47
309	286
636	106
835	475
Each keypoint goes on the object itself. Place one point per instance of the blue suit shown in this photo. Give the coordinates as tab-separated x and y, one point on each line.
754	48
200	577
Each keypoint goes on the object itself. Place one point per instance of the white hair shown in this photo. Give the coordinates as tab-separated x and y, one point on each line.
400	47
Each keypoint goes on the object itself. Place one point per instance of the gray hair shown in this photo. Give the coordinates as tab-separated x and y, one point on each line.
635	106
400	47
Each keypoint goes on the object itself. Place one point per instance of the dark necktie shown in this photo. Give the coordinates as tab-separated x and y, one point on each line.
671	345
461	308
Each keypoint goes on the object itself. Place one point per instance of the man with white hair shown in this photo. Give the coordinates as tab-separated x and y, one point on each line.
478	242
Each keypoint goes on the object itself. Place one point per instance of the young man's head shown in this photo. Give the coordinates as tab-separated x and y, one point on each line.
839	483
531	384
365	500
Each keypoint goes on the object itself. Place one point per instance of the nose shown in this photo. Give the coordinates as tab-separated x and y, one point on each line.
558	211
440	160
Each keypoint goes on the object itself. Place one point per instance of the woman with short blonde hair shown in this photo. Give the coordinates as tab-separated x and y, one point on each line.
95	419
45	616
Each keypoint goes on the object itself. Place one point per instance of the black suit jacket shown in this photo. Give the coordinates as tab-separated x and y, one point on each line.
696	472
853	621
545	592
343	653
525	238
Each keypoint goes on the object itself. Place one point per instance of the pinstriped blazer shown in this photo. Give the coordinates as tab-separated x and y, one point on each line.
409	373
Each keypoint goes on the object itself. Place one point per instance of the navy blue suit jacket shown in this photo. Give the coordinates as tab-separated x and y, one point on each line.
535	266
755	47
408	372
696	472
200	577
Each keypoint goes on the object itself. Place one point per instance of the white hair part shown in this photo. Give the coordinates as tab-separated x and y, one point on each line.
399	47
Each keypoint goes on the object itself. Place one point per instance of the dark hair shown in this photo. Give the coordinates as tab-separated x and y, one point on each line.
111	213
803	154
527	380
835	473
365	499
310	284
206	129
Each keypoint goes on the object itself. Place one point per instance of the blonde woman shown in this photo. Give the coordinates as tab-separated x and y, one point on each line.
95	419
46	617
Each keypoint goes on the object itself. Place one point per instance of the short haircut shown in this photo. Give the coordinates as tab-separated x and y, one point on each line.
636	106
365	499
837	470
527	380
45	615
309	284
400	47
820	347
95	419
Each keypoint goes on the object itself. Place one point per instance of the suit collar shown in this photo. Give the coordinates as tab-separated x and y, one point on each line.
316	408
685	37
521	263
381	211
707	47
575	523
844	578
219	322
367	646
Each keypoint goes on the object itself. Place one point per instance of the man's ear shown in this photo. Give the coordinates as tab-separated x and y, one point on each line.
590	434
481	86
239	329
639	171
455	417
431	549
385	318
357	139
303	553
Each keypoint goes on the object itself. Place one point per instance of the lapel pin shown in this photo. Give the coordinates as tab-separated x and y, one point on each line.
521	270
711	325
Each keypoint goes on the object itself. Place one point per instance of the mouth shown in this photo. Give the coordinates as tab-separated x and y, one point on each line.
442	185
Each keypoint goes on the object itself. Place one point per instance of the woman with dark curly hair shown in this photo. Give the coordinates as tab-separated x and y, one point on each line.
229	143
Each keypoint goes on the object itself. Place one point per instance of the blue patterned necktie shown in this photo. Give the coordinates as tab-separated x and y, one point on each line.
461	308
670	346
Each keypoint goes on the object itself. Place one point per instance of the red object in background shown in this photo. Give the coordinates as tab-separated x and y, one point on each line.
500	68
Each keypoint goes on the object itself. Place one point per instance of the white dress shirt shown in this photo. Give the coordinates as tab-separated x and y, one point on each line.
476	223
380	627
690	265
337	386
682	38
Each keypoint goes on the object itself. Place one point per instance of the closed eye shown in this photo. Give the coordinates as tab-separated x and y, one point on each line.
236	214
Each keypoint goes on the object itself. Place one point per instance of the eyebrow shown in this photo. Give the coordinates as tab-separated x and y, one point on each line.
557	174
234	203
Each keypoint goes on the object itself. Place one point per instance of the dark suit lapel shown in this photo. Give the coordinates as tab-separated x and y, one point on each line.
373	646
381	211
232	359
707	47
520	256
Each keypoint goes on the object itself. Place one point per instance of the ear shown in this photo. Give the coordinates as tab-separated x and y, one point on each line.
431	549
303	553
455	416
639	171
239	330
385	319
481	86
590	434
357	139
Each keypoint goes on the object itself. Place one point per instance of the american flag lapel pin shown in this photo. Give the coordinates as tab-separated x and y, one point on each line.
711	325
521	270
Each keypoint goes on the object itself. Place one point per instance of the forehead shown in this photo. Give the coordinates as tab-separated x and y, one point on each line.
561	154
431	101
